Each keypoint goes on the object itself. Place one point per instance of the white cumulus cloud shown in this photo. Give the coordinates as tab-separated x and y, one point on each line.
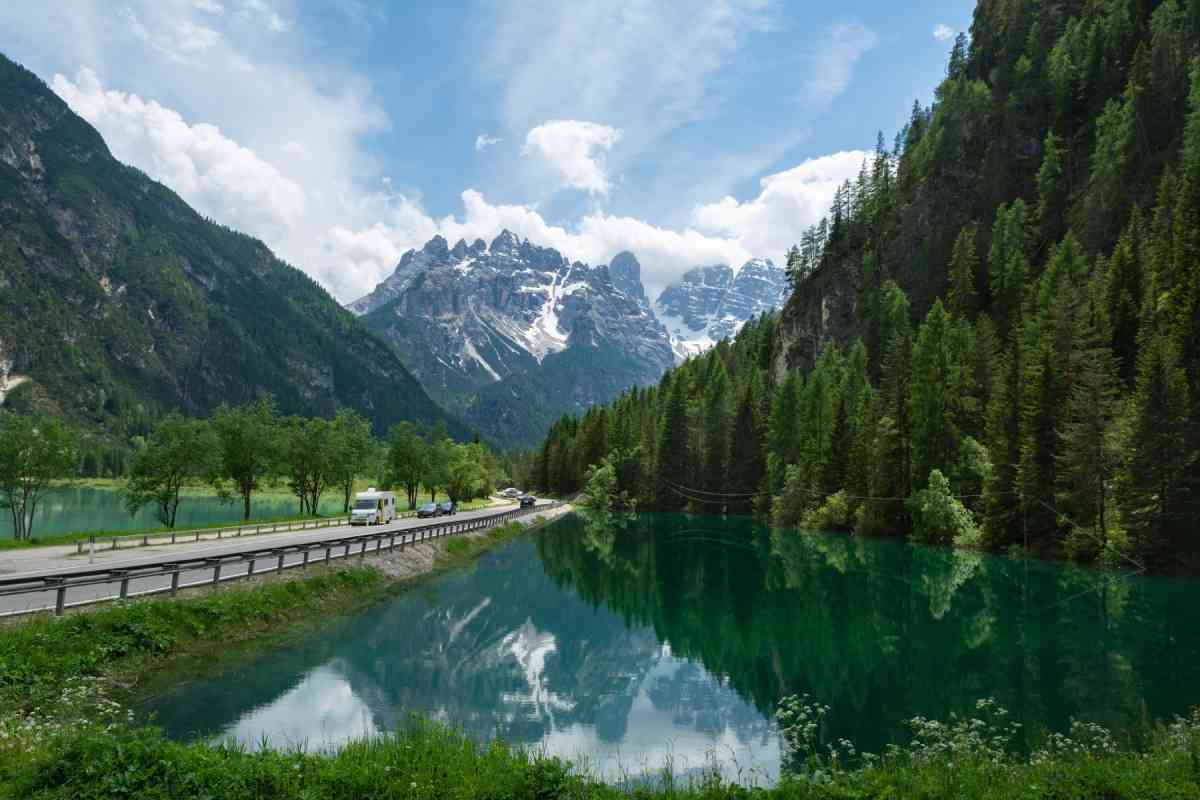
943	32
788	202
483	141
212	172
575	151
725	232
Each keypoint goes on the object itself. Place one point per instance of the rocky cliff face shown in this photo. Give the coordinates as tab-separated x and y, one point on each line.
513	334
711	303
118	301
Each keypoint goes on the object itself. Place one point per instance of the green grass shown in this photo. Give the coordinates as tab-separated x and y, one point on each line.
429	761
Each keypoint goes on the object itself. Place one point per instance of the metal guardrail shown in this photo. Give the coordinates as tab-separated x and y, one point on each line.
300	555
199	534
131	540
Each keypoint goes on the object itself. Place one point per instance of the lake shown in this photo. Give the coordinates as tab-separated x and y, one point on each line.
85	508
666	636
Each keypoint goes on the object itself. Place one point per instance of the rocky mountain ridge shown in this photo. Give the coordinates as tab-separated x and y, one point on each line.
711	303
120	302
513	334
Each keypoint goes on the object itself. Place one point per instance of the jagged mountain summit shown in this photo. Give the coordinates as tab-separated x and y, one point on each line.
511	334
711	303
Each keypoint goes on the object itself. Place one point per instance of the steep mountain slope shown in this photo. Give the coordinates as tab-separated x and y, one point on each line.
118	301
711	303
994	338
511	334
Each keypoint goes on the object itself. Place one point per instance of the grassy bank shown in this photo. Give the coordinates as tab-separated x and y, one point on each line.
64	734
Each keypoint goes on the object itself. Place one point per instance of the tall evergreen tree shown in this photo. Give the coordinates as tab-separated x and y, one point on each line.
941	386
746	464
715	424
962	297
672	458
1053	190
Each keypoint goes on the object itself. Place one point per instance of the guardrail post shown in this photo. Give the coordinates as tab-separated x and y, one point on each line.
347	553
172	537
174	579
60	598
216	574
124	584
304	564
250	571
328	551
362	553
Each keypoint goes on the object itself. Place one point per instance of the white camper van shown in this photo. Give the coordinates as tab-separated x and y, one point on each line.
373	507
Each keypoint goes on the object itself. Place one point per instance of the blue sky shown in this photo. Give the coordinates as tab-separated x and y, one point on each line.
344	132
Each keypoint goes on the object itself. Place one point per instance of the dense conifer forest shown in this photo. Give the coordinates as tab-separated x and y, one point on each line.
1020	366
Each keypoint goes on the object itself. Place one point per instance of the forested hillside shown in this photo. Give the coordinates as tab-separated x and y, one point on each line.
994	337
118	302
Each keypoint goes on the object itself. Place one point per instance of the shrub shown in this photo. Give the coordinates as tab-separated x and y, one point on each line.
939	517
832	515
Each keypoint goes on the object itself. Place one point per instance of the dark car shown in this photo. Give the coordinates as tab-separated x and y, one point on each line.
448	508
527	501
429	510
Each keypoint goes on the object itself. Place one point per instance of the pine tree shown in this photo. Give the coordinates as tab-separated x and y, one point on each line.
1154	476
1124	298
957	68
1107	192
1053	191
746	466
672	458
941	385
783	434
715	424
1002	509
1008	263
1046	385
962	296
1089	455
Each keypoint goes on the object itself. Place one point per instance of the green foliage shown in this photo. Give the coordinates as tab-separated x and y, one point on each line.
962	298
466	473
672	459
248	447
34	452
939	517
178	451
834	514
1059	379
407	460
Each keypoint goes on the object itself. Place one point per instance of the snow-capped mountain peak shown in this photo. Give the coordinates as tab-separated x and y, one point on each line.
467	317
711	303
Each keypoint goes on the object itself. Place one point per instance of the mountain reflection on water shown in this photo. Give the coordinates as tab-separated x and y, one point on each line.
625	641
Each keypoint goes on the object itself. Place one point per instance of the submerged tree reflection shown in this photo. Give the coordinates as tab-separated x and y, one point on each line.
883	631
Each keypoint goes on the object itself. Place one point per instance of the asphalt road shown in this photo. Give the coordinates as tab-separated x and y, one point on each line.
62	561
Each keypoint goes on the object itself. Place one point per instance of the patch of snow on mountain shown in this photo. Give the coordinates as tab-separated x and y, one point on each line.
469	349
